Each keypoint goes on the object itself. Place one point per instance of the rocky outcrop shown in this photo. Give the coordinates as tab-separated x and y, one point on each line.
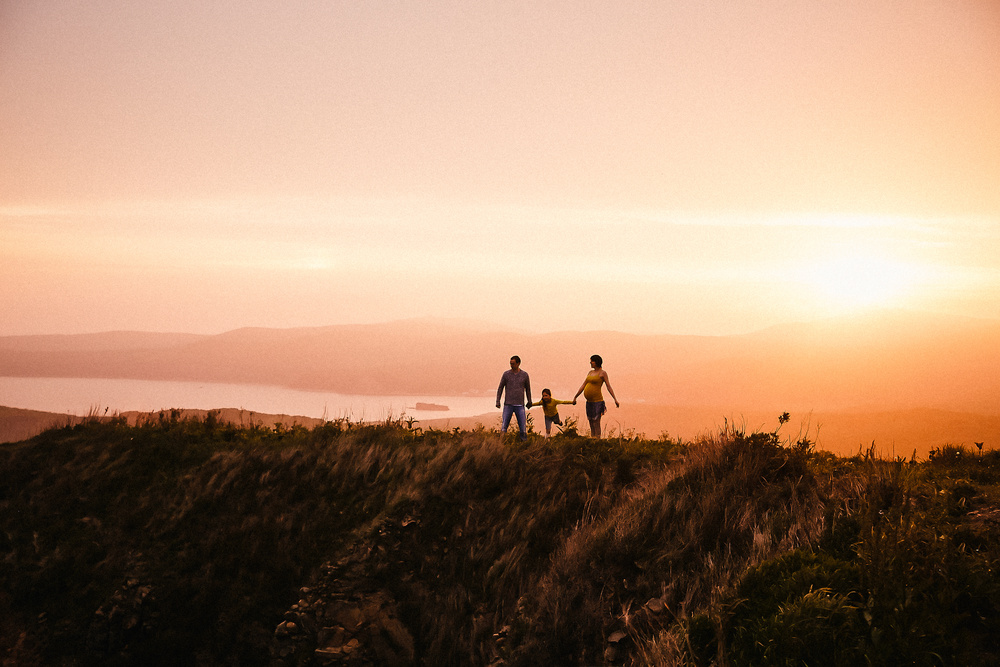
343	629
125	620
346	618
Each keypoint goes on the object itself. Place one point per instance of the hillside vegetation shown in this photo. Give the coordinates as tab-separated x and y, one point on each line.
182	541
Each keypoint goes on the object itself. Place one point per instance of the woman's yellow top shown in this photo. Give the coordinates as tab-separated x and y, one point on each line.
592	388
549	409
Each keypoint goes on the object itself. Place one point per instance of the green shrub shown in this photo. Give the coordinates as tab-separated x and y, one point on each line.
799	608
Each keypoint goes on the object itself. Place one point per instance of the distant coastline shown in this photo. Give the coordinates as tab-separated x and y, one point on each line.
82	396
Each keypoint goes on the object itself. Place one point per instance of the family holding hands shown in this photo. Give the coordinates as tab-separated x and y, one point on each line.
516	389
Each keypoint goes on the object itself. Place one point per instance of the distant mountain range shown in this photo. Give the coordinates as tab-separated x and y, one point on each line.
889	360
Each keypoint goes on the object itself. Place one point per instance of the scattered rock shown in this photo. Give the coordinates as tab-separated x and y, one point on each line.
656	606
344	619
126	619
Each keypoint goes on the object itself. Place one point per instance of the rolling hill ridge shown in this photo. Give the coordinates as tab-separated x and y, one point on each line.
883	361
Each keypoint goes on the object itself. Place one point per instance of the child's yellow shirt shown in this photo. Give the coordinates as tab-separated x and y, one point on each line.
550	409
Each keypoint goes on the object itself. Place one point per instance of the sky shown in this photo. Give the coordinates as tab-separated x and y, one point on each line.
671	166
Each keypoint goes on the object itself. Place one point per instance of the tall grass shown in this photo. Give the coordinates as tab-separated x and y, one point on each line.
671	546
192	541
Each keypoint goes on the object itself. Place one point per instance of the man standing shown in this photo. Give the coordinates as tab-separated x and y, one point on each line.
517	385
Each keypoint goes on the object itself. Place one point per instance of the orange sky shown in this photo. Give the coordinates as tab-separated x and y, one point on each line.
674	167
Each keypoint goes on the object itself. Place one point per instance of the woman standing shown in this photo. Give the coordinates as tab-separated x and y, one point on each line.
591	390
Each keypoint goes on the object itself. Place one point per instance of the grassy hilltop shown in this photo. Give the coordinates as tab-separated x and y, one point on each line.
181	541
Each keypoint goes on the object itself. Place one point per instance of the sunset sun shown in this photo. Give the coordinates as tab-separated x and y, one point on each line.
856	281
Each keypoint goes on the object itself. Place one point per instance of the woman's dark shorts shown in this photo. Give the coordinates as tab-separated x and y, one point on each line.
595	410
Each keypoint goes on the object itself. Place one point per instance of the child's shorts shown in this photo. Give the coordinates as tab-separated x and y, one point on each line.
549	421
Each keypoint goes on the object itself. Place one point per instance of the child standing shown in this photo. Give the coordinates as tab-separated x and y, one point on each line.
550	410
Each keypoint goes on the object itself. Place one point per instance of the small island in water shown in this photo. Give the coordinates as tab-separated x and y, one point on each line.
430	406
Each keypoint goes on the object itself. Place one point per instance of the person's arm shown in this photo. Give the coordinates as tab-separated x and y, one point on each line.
579	391
503	383
527	390
558	402
611	391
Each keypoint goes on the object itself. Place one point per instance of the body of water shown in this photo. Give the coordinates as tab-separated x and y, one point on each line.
80	396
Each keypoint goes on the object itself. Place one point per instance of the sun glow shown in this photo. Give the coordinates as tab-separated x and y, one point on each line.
859	280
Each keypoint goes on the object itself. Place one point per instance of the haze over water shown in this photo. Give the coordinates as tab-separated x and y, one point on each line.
82	396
